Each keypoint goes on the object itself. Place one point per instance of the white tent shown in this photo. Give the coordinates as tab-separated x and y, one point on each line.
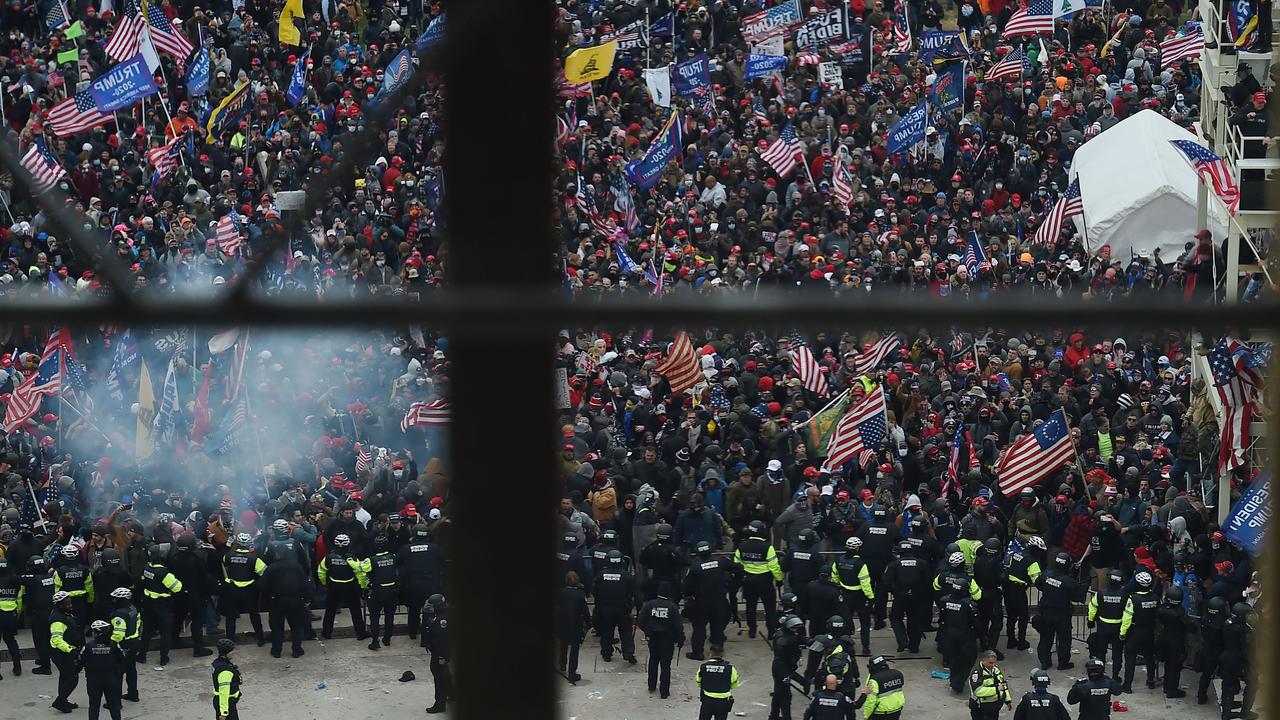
1139	192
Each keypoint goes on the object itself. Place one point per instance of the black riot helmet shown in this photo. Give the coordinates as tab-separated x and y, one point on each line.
808	537
794	624
1217	605
879	513
111	557
788	602
569	540
876	664
1039	678
904	547
663	532
614	557
1241	610
1115	579
437	601
1173	595
156	553
755	528
703	549
187	543
992	546
1093	666
836	625
609	537
1062	561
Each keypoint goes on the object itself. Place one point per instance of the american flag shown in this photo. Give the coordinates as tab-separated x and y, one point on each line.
1014	65
1219	175
47	380
125	41
1036	18
681	367
629	37
227	436
952	475
784	151
870	360
423	414
808	58
864	427
562	130
1237	392
56	18
1068	206
624	205
758	110
974	256
842	182
76	115
1181	47
226	233
586	203
1035	455
566	89
45	171
364	458
901	35
806	366
165	158
164	35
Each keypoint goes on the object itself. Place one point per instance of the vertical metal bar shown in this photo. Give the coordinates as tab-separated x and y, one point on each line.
499	212
1266	642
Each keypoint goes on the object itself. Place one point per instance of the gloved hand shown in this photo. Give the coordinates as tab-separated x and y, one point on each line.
1090	624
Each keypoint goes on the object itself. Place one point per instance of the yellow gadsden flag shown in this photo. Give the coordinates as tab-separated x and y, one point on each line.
590	64
289	33
143	443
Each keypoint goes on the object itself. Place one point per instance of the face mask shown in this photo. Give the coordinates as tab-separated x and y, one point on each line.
408	183
380	263
397	473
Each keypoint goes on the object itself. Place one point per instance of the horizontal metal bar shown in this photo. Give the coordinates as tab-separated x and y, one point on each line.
515	313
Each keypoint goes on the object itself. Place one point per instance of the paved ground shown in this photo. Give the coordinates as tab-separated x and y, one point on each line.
360	683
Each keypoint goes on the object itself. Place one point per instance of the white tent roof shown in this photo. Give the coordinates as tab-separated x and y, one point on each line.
1139	192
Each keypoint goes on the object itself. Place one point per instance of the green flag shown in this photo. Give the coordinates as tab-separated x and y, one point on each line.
822	423
76	30
69	56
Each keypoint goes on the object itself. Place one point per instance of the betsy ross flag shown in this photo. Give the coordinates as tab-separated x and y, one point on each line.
1014	65
165	158
1181	47
1213	170
423	414
1035	455
870	360
1068	206
76	115
45	171
842	182
863	428
1035	18
681	367
125	41
806	367
783	153
1237	381
901	35
226	233
164	35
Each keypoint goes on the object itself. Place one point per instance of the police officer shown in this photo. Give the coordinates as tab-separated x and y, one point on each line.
192	567
989	574
716	680
801	566
958	631
109	576
240	571
226	682
878	539
660	621
600	552
103	664
908	579
758	561
885	695
66	638
573	619
435	638
1112	614
126	629
954	579
1040	704
1093	693
384	590
1234	663
279	545
72	576
787	643
1058	587
1174	628
1141	639
1023	571
420	566
10	610
663	560
988	689
568	558
830	703
1211	624
826	598
616	594
850	572
343	578
37	598
287	585
158	588
706	588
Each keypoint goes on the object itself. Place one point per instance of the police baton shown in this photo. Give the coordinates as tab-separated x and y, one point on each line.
798	688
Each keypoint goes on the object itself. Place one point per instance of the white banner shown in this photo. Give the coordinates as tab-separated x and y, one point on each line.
772	46
659	82
829	74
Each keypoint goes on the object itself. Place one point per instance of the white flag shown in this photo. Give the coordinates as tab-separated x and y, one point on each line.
772	46
148	50
1066	7
659	82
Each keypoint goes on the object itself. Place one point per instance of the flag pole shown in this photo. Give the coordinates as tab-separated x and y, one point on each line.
826	407
646	32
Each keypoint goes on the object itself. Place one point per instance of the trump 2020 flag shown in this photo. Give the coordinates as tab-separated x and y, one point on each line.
764	65
646	171
1246	526
909	129
658	80
298	86
198	73
397	74
947	91
431	36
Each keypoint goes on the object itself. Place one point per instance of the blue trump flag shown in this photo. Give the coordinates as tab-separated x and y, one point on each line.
396	76
945	44
646	171
693	77
1246	526
947	91
431	36
664	26
198	74
298	85
123	85
764	65
909	129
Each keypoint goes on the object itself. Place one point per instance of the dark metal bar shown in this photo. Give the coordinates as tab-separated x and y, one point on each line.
515	312
497	207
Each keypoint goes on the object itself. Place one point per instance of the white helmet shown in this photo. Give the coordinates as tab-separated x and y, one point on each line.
342	540
1036	542
1143	578
100	625
122	593
853	543
244	539
955	559
280	525
60	596
70	551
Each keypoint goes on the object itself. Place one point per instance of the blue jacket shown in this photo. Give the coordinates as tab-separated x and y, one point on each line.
694	527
